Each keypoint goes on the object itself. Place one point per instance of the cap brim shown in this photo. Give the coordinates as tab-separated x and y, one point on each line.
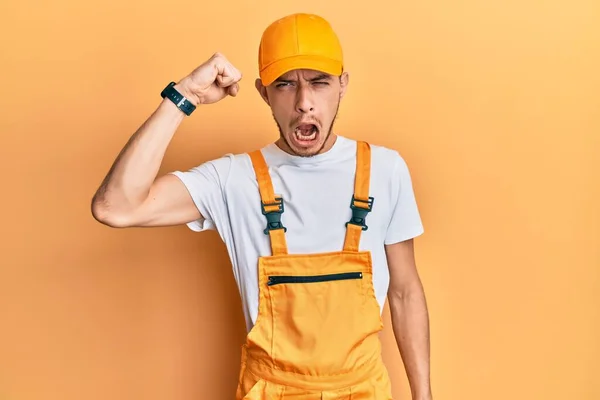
278	68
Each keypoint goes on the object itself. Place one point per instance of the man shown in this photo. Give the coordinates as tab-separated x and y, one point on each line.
319	227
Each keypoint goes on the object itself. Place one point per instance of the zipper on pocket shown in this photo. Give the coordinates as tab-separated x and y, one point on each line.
277	279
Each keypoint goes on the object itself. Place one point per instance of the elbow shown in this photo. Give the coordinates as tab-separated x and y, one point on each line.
401	294
106	215
396	297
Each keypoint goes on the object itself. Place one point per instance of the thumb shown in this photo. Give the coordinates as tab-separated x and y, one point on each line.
225	76
224	80
233	89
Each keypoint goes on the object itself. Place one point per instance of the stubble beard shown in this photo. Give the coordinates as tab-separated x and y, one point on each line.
329	132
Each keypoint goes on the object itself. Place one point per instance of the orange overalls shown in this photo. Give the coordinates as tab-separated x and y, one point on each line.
316	334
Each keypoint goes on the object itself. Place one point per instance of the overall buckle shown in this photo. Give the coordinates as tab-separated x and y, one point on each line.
359	214
273	217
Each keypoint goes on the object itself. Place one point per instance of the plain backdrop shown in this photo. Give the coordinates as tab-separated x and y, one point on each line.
494	105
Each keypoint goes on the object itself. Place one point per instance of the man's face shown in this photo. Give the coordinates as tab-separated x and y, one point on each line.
304	104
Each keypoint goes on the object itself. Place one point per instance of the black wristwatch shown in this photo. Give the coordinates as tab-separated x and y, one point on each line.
180	100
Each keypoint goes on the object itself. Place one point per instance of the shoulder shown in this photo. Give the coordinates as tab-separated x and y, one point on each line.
384	153
235	168
218	171
390	172
387	159
228	163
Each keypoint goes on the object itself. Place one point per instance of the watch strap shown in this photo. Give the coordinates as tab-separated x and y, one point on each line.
178	99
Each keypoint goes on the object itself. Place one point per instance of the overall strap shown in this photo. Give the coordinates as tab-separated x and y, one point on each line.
271	206
361	203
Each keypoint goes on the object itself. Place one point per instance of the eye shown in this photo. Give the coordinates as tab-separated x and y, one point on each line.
322	83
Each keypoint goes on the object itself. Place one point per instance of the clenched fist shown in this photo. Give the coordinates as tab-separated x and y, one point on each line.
213	80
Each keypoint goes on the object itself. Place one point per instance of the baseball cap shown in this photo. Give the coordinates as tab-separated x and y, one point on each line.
299	41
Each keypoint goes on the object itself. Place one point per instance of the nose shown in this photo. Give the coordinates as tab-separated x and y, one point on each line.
304	101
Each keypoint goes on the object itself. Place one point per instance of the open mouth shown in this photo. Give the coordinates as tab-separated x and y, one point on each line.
306	132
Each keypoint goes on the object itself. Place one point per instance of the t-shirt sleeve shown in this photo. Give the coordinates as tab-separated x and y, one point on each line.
206	185
406	221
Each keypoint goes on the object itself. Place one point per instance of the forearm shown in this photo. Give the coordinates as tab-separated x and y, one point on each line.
130	178
410	321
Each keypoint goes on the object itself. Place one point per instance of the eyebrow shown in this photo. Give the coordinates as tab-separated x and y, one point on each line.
319	77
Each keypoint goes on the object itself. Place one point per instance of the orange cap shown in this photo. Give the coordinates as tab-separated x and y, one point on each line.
298	41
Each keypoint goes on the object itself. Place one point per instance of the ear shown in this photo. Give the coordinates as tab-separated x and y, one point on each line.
262	90
344	79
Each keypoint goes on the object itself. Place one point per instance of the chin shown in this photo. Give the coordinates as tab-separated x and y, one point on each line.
304	138
305	146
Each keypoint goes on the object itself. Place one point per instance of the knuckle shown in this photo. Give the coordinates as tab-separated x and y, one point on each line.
219	56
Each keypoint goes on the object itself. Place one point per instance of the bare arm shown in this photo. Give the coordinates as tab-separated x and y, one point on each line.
131	194
410	319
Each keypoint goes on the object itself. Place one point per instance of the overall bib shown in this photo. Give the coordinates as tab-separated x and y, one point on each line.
317	331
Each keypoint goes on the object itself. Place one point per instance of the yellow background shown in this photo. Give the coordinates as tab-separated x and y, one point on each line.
495	106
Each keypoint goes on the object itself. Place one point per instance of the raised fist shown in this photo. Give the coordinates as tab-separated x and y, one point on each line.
213	80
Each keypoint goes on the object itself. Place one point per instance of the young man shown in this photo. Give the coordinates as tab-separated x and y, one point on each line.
319	227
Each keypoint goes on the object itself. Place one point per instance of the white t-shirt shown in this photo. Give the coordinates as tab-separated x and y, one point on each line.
317	192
